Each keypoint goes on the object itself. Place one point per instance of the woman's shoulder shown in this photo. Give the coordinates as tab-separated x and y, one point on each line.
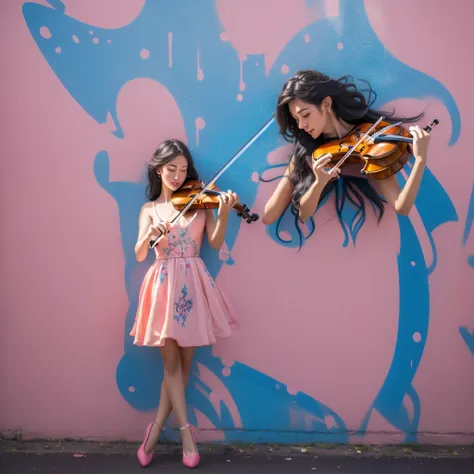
147	208
148	205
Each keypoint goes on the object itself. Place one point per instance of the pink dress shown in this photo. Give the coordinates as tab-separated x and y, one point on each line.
178	298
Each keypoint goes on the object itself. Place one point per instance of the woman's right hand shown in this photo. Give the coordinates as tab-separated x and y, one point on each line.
324	175
159	229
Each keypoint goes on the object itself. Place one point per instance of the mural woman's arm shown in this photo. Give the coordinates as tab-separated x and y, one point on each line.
280	198
310	199
402	200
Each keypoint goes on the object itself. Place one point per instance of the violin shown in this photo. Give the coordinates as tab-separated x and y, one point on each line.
382	154
208	200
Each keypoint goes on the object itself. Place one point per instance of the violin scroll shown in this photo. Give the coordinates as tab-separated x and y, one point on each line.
245	213
430	127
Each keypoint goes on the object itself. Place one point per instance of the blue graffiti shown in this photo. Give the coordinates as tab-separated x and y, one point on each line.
468	226
94	73
57	5
468	338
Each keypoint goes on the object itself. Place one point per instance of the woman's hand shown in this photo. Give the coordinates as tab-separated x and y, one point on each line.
159	229
322	173
226	202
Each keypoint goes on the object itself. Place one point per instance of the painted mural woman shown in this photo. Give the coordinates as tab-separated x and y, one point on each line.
321	300
313	108
180	305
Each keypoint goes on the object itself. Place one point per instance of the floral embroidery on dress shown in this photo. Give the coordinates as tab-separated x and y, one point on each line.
179	247
163	272
182	307
209	276
184	263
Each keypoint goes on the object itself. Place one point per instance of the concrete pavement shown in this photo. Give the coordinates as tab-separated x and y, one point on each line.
21	463
59	457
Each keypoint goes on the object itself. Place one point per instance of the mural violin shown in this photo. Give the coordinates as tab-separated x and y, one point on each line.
196	195
382	155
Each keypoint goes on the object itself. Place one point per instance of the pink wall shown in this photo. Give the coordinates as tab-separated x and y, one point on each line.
340	343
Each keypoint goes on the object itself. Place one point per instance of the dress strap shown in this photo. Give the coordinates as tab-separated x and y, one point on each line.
156	211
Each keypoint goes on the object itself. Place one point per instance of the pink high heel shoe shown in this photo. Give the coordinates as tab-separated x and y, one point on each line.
143	458
190	460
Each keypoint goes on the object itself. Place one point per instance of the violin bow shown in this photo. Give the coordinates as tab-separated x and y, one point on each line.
242	150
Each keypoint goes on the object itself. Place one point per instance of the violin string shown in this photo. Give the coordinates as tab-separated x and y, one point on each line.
344	158
382	130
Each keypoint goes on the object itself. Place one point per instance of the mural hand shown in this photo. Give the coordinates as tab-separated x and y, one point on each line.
321	171
421	140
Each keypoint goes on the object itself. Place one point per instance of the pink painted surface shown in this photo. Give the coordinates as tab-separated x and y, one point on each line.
444	380
251	30
140	101
104	13
65	296
62	331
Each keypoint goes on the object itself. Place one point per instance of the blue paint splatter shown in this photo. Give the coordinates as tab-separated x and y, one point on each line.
57	5
468	337
468	226
469	218
465	334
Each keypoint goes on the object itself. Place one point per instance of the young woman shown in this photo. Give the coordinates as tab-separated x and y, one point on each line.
180	306
312	109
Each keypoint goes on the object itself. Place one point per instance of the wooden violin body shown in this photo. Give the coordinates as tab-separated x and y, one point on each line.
208	200
381	154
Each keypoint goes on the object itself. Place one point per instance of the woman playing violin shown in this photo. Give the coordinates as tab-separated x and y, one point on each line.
313	109
180	306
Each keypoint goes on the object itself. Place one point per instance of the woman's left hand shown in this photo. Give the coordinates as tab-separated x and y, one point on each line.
227	201
421	140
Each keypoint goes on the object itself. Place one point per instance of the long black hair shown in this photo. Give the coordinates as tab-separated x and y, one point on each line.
349	104
165	152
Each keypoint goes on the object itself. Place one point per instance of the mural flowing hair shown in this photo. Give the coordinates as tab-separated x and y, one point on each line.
165	152
348	104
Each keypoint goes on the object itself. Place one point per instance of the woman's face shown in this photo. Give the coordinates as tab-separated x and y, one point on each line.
173	174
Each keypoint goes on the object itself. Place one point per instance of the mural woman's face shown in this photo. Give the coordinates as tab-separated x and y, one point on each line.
310	118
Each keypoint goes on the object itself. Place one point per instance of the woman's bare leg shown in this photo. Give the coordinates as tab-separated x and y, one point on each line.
165	407
186	362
